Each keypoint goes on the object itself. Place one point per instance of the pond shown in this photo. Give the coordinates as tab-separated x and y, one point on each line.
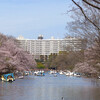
49	87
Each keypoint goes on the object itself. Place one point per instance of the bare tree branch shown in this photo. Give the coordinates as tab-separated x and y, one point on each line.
91	4
85	14
96	1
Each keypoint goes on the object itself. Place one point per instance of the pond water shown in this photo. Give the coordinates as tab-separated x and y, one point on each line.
49	87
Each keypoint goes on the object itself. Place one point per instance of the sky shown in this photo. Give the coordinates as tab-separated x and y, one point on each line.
30	18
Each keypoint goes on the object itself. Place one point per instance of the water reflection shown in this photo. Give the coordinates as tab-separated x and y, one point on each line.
51	88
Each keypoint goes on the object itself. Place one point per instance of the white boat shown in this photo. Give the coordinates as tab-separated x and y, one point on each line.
77	74
52	72
69	73
21	77
98	77
36	72
39	73
61	72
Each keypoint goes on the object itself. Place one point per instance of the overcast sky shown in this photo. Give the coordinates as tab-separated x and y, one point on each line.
30	18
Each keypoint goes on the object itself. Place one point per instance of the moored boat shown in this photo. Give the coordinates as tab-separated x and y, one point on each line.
8	77
39	73
61	72
21	77
52	72
98	77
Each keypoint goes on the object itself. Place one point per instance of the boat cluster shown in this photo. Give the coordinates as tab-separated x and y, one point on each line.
10	77
54	72
69	73
39	73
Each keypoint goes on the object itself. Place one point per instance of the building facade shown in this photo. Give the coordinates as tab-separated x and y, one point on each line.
46	47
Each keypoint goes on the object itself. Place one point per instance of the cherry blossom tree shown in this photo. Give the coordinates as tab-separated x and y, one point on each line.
12	57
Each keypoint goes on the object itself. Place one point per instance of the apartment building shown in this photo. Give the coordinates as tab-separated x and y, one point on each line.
46	47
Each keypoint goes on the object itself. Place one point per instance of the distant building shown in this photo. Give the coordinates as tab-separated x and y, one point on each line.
40	37
45	47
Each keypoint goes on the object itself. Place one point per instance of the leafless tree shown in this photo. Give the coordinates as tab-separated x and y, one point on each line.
67	60
86	24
